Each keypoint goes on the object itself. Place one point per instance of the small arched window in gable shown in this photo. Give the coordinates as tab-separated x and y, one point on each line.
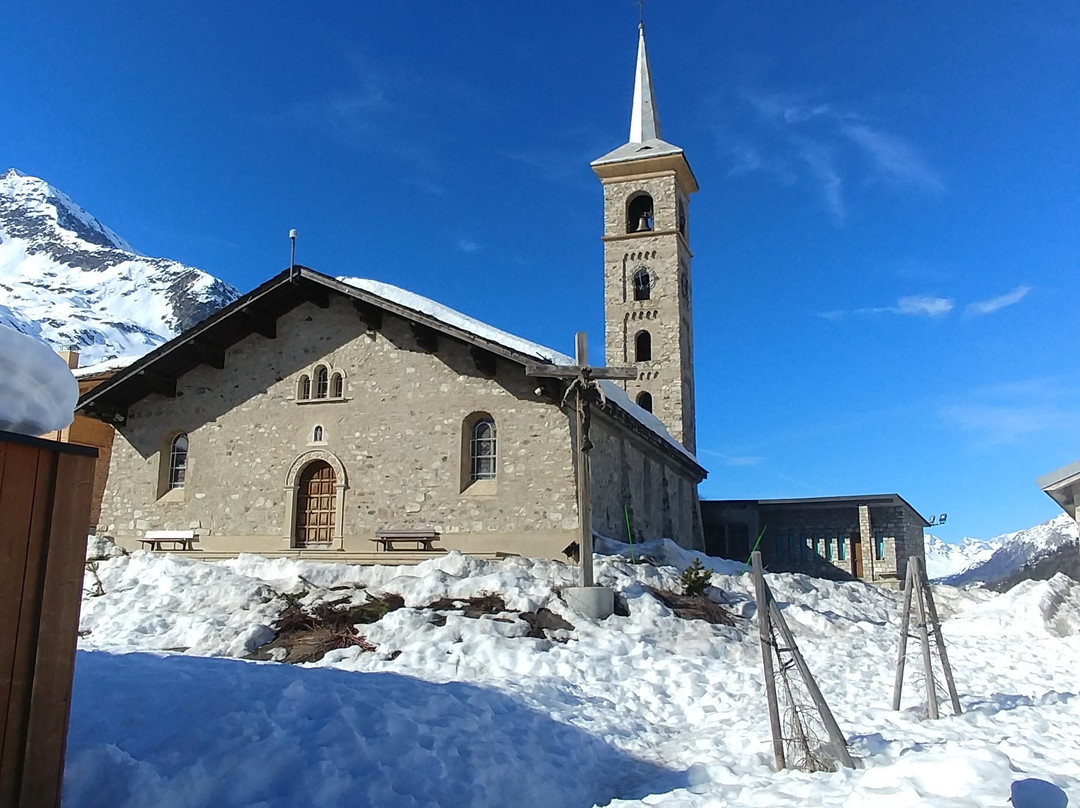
639	214
322	381
643	347
178	452
303	388
336	386
644	400
317	435
642	285
482	450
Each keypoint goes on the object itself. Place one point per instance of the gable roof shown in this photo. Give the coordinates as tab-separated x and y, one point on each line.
258	311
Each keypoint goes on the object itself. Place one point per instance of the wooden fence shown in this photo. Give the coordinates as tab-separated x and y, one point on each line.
45	492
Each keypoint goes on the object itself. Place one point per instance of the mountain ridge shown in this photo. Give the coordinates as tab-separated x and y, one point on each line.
70	280
976	561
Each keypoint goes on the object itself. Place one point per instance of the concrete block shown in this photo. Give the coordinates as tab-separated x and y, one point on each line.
597	602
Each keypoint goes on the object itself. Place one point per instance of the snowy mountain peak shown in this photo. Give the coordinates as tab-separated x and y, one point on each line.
31	208
68	280
976	561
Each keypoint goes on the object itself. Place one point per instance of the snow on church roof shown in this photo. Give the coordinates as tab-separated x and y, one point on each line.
451	317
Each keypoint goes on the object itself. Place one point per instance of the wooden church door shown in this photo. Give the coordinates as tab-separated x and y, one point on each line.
316	501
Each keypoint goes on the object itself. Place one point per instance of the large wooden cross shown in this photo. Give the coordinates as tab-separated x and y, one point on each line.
583	386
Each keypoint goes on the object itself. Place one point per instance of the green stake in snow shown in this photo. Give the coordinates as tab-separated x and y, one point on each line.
629	535
746	566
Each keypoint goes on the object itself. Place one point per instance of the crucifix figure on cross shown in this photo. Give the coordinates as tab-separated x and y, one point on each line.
585	392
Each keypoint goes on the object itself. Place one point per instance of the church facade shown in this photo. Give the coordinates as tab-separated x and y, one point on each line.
314	413
317	414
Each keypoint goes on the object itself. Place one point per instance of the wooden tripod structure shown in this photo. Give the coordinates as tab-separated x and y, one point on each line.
582	384
770	623
918	587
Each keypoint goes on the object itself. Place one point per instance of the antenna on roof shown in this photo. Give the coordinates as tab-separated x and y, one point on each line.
292	254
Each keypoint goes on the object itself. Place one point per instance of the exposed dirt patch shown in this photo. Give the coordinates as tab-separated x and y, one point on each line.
484	603
307	636
544	620
694	607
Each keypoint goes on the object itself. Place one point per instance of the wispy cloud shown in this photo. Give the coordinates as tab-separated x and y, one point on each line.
1012	411
822	166
377	109
807	137
997	303
911	305
466	245
924	305
893	157
743	461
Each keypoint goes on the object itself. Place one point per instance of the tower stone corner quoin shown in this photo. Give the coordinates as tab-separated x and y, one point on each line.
647	283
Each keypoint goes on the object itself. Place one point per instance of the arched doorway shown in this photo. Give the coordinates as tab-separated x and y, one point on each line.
316	504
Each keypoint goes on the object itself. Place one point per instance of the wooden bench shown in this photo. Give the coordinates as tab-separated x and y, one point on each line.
420	539
179	539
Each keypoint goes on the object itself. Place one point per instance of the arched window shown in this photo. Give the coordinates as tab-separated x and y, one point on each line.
642	285
317	435
303	389
639	214
682	217
322	382
643	347
336	386
644	400
178	461
482	450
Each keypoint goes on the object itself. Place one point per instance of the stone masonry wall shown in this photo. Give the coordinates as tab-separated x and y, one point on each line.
666	315
397	433
631	476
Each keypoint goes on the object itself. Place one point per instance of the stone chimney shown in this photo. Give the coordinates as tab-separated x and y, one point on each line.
71	356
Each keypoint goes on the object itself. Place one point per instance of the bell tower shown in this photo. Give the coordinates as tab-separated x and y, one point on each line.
647	290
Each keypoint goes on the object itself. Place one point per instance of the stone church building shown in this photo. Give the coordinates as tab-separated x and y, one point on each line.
318	413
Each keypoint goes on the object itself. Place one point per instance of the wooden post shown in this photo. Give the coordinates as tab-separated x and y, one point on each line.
905	623
935	622
584	475
917	585
928	662
582	379
765	636
835	735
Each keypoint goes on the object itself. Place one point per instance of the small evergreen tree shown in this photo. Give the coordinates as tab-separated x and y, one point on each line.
695	579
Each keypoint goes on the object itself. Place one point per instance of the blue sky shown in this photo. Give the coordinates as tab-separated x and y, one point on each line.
886	238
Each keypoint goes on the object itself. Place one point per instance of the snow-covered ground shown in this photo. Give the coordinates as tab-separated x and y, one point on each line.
648	709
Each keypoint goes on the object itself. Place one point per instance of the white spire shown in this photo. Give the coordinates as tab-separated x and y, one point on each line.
644	123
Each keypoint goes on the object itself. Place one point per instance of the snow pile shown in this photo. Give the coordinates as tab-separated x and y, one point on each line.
37	391
449	710
1046	607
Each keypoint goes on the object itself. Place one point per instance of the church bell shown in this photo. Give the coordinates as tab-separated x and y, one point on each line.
643	222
